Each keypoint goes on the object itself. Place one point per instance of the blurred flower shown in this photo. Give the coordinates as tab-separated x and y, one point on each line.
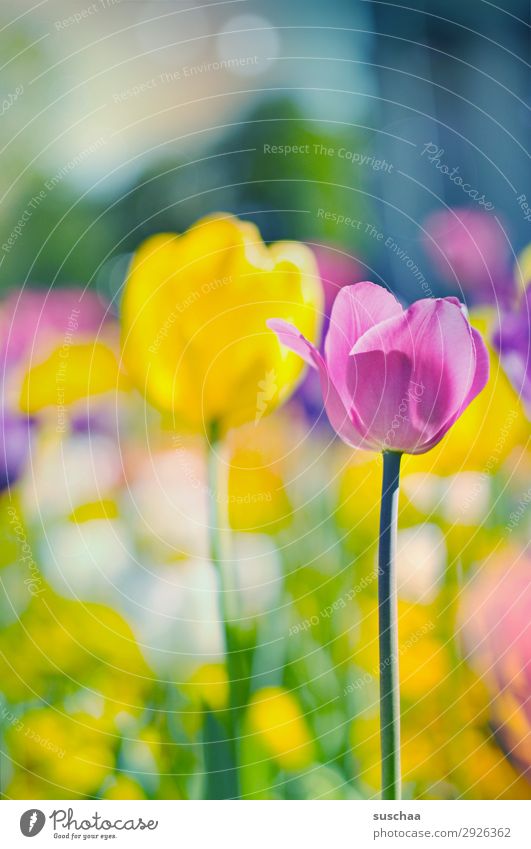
15	436
394	379
64	645
71	754
32	321
277	722
512	340
487	432
448	750
496	626
481	769
194	313
48	358
69	374
470	250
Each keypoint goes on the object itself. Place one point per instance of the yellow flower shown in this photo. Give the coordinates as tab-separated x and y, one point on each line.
68	640
72	753
70	374
277	721
481	768
106	508
194	317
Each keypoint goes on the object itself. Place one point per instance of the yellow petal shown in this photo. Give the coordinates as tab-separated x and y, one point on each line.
104	509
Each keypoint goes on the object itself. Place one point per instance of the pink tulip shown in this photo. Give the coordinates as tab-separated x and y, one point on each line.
394	379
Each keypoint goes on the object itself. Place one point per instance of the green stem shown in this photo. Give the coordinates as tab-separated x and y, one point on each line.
231	644
388	629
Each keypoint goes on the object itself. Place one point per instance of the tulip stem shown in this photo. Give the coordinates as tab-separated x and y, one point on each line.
388	629
216	524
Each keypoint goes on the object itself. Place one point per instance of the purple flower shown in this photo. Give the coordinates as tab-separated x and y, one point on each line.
14	446
513	341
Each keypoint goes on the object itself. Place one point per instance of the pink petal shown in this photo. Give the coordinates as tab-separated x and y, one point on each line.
436	337
335	409
481	376
293	339
382	393
451	299
356	309
479	382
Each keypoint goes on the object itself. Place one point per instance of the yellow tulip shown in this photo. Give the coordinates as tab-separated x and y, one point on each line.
194	316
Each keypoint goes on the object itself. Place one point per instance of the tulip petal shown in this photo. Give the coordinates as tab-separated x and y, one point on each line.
335	409
293	339
356	309
479	382
382	393
436	337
